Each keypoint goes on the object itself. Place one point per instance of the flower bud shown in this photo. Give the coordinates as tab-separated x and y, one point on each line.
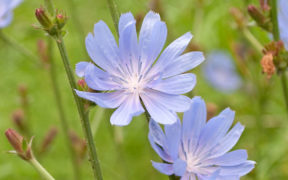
18	119
20	145
82	84
260	18
48	139
44	18
61	20
15	139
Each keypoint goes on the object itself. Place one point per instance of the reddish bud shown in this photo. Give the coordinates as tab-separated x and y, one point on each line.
42	51
264	5
81	83
43	18
18	119
61	20
260	18
48	139
15	139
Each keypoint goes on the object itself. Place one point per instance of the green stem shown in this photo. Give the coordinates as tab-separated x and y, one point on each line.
13	43
62	115
250	37
276	35
42	171
80	106
114	13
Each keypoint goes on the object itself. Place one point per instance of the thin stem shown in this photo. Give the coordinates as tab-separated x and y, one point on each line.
13	43
250	37
80	106
114	13
276	35
62	115
42	171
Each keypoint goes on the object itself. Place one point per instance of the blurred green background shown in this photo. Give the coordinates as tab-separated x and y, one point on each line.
125	152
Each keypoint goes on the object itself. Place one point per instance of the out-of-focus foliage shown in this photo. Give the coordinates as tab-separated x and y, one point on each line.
125	152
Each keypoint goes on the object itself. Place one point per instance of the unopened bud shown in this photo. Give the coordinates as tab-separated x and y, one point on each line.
15	139
49	138
18	119
260	18
44	18
264	5
82	84
61	20
268	65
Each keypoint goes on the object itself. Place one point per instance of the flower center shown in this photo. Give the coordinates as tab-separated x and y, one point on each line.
192	164
135	83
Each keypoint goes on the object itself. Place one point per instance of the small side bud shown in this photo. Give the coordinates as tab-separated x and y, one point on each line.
48	139
20	145
61	20
18	119
82	84
44	18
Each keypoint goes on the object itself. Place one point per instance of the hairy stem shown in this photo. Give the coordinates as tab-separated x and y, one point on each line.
80	106
42	171
62	115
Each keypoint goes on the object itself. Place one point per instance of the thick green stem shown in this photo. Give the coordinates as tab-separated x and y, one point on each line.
42	171
276	35
62	115
114	13
80	106
18	47
250	37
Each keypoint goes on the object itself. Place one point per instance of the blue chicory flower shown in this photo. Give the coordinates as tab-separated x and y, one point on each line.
283	21
220	72
6	14
129	72
199	149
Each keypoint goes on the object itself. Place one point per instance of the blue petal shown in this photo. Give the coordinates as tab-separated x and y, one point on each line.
157	111
172	102
193	122
153	45
214	131
159	150
174	50
232	158
282	19
163	168
99	80
128	45
173	137
96	54
105	100
125	19
6	19
179	167
80	68
187	175
239	170
156	132
129	108
180	84
14	3
228	142
183	63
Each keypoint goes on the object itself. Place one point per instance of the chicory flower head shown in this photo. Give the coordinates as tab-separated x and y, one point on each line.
6	14
128	71
199	149
283	21
220	72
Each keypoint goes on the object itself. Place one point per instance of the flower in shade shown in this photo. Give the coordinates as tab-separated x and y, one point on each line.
128	73
283	21
220	72
6	14
198	149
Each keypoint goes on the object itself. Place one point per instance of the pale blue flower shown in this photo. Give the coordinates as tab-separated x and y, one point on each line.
128	71
283	21
199	149
220	72
6	11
